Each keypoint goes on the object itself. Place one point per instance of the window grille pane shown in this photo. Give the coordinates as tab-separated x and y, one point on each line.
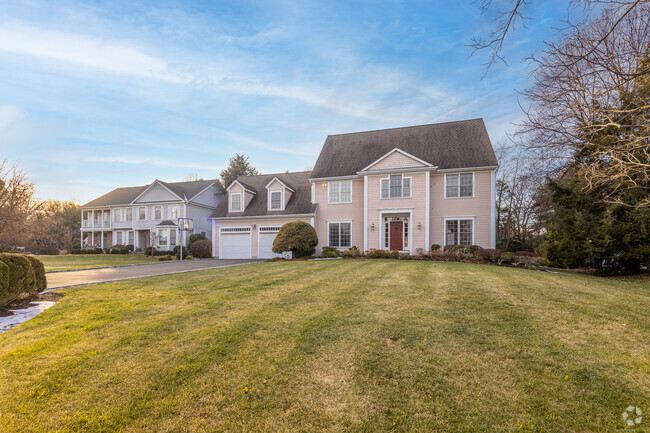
385	191
395	186
334	235
119	238
142	213
452	185
386	234
172	236
157	212
276	200
236	202
129	214
406	187
163	237
466	184
174	212
345	235
334	192
406	234
465	232
345	194
452	232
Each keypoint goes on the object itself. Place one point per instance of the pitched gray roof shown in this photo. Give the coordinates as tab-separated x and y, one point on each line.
299	203
124	196
461	144
166	223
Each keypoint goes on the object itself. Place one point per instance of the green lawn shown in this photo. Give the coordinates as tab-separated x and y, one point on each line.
78	261
333	346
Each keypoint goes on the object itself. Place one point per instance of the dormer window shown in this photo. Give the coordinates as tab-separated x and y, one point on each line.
235	202
275	200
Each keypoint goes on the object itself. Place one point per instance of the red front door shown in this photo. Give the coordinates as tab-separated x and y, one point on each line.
396	237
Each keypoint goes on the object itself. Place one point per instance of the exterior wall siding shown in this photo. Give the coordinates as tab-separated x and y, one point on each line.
396	160
478	207
338	212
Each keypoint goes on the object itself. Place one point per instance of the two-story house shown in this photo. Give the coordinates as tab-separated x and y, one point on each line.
142	215
398	189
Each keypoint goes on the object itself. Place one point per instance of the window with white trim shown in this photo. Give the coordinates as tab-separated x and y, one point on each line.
117	215
129	214
131	238
142	213
172	236
174	211
235	202
162	237
118	238
459	185
340	234
396	186
276	200
459	231
157	212
340	191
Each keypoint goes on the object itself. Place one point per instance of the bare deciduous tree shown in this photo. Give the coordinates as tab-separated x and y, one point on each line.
17	202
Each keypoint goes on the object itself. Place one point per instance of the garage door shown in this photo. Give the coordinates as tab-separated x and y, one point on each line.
235	243
265	245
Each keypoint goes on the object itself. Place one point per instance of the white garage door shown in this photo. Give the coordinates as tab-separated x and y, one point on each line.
265	242
235	243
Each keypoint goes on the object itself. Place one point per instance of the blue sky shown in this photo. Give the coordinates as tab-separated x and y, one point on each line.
97	95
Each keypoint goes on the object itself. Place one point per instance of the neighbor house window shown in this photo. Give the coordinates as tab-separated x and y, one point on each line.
396	186
117	215
118	238
174	212
340	234
162	237
459	185
276	200
142	213
235	202
340	192
131	238
129	214
459	231
172	236
157	212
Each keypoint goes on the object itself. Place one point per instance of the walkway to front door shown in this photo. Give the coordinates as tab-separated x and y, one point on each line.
396	236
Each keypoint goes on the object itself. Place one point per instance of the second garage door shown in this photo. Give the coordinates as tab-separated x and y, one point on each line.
265	242
235	243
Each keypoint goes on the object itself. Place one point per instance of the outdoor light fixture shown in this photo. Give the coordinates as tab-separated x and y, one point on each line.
254	226
419	226
372	226
323	184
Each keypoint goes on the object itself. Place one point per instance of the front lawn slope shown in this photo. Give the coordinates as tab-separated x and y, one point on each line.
333	346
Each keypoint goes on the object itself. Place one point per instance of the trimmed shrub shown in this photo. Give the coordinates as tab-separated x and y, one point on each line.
435	247
130	247
526	254
40	281
530	262
177	252
377	254
196	237
488	255
165	258
328	249
21	277
393	254
352	253
201	249
461	249
330	254
4	281
296	236
189	258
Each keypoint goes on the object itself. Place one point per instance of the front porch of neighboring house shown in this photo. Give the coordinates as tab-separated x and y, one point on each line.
396	231
108	238
97	239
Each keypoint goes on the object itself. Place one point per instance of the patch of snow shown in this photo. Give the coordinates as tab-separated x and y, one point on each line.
24	314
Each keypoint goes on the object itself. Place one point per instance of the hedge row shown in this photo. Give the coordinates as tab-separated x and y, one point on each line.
20	274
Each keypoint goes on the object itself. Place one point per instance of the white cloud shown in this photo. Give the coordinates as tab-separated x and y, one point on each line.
148	161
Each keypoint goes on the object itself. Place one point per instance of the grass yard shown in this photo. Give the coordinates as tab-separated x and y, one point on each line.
80	261
334	346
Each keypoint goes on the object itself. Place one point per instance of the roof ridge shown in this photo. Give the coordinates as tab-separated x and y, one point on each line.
275	174
406	127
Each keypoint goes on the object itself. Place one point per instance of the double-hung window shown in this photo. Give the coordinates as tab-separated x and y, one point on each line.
118	238
157	212
340	234
396	186
276	200
340	191
172	236
142	213
131	238
459	231
129	214
174	211
459	185
235	202
117	215
162	237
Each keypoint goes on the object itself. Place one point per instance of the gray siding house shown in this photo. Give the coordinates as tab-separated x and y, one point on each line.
136	215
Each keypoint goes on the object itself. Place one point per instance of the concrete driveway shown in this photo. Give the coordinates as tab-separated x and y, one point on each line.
58	280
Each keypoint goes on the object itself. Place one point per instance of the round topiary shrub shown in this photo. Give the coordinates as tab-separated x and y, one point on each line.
196	237
296	236
40	281
4	281
21	277
201	249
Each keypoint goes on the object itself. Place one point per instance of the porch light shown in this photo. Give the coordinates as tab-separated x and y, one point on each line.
323	184
372	226
419	226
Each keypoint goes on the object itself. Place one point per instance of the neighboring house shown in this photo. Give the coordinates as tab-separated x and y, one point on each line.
396	189
141	214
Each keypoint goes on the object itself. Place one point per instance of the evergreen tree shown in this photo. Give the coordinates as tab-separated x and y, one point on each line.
238	165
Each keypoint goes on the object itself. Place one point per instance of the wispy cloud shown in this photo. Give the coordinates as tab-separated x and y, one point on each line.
151	161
